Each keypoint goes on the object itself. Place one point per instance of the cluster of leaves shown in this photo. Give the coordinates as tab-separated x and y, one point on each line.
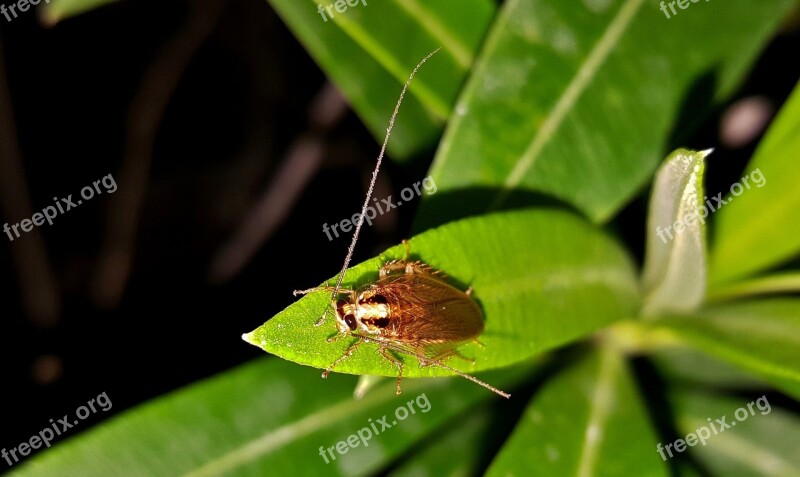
544	103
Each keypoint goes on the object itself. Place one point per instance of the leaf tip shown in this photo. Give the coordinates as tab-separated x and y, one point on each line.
248	337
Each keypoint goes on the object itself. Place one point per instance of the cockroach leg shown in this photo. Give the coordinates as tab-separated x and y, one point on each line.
408	250
321	320
423	268
422	359
390	267
348	352
388	355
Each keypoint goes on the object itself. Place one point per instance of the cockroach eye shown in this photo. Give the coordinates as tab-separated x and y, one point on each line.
350	321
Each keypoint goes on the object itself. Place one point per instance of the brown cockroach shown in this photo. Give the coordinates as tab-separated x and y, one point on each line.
411	309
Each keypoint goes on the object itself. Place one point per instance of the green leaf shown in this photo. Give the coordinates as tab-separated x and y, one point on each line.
674	277
465	436
781	282
760	228
472	435
762	444
588	420
260	417
579	101
58	10
761	336
369	51
542	277
690	367
687	469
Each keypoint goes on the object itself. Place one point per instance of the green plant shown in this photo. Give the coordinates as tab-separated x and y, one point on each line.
557	108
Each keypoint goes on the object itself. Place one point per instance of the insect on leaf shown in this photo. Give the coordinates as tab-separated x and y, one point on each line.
541	277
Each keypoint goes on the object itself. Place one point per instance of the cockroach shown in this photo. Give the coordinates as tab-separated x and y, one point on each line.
411	309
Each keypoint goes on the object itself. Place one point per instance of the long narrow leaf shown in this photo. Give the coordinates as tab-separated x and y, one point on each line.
742	437
588	421
761	336
760	227
579	100
259	418
542	277
368	48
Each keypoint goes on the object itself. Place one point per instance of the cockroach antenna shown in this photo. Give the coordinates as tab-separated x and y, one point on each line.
372	181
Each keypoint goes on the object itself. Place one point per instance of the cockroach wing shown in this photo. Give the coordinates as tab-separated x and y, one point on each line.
426	310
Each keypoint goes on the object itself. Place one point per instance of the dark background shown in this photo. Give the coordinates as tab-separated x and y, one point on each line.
240	103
